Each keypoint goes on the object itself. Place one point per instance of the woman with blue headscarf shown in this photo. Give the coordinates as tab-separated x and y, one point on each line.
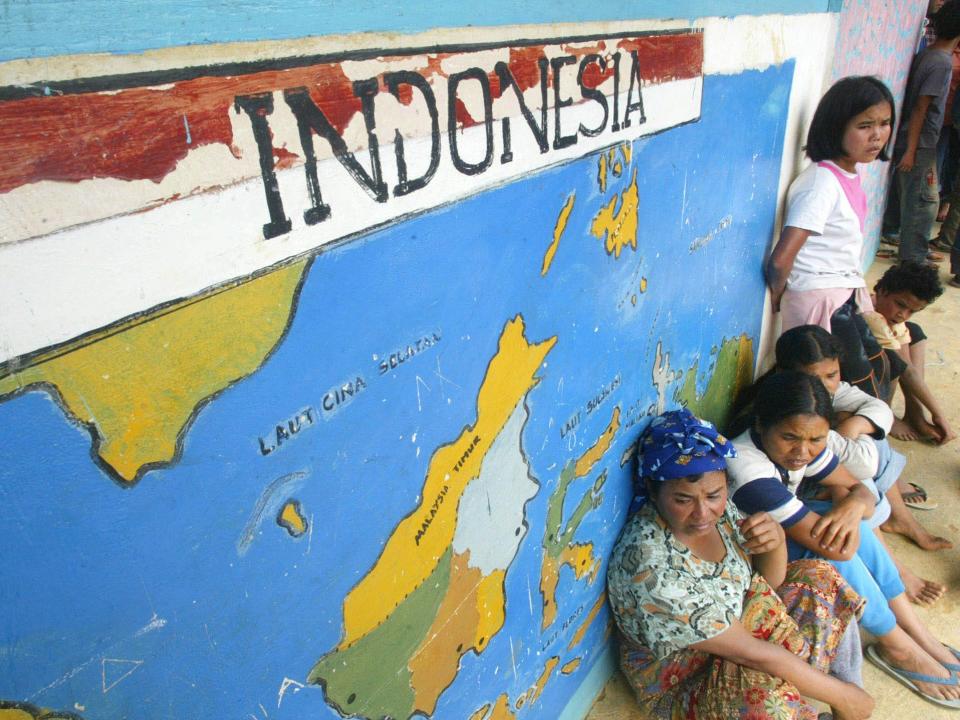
690	581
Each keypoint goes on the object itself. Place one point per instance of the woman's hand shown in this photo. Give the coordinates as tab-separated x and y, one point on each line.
838	529
854	704
762	533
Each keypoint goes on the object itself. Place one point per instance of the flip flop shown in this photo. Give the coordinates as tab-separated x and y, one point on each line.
954	667
886	254
918	499
907	678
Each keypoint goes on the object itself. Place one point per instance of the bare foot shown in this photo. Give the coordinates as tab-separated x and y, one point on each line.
918	534
925	430
923	663
920	591
902	430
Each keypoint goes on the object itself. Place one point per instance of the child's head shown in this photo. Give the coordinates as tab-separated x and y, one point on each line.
946	23
905	289
853	120
812	350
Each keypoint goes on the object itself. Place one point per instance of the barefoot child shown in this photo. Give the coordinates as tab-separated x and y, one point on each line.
903	290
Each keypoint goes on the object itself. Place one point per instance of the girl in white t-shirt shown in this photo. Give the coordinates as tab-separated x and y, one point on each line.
814	272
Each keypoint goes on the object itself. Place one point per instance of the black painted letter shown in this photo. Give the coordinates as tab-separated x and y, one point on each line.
393	81
593	93
539	131
311	119
258	107
459	163
638	105
560	140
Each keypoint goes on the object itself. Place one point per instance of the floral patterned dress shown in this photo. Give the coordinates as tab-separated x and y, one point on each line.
665	599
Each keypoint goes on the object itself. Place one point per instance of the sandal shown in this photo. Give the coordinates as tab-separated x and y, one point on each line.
954	281
910	679
917	499
935	257
887	254
954	667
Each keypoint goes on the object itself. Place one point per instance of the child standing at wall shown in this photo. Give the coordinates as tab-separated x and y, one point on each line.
814	272
902	291
915	150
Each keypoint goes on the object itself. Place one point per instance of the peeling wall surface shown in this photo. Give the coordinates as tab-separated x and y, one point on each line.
878	37
323	357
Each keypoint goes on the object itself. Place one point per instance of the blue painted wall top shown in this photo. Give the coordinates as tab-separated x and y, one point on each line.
36	28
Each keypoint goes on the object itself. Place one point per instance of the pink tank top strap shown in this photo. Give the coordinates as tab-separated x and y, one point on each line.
852	189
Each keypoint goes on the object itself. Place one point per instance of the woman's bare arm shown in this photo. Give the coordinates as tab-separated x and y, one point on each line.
766	543
737	645
835	534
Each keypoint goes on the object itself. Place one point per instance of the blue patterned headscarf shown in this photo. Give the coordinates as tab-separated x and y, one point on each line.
678	444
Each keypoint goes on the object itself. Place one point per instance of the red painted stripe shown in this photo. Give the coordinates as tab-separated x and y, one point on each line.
139	133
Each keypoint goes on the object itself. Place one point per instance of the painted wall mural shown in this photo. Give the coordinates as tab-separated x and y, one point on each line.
307	149
330	407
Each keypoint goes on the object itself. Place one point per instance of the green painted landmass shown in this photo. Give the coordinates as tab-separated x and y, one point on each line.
559	547
732	371
558	536
370	678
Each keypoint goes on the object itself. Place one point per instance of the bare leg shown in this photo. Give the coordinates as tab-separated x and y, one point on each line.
919	590
913	414
903	522
902	429
901	650
908	621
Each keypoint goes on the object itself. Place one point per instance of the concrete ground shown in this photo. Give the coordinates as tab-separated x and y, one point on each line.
935	468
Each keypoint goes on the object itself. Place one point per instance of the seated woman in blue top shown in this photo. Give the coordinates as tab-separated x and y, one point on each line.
784	467
702	633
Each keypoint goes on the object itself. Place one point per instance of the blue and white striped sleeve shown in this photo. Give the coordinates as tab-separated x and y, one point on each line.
821	466
771	496
755	486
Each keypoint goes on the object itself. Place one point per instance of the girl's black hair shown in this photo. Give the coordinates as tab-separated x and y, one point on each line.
847	98
796	348
805	345
789	393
